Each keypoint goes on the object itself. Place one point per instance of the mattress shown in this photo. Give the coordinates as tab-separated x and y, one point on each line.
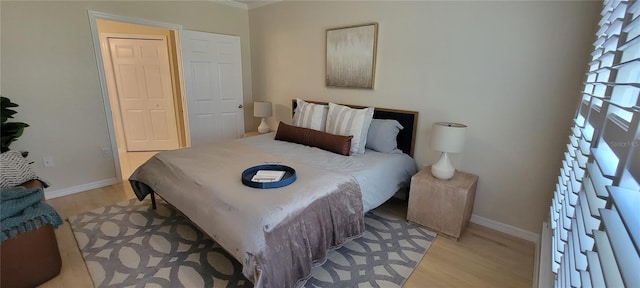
380	175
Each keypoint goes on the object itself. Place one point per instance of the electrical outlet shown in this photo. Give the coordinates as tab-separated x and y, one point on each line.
107	152
47	161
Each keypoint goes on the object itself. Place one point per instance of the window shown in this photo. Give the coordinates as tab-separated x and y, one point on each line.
595	212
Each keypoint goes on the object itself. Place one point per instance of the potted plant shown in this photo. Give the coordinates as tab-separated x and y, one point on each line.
10	130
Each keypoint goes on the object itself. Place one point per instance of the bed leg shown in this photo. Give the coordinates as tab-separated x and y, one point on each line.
153	200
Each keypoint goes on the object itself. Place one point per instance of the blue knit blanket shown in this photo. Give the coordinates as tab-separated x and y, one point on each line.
22	210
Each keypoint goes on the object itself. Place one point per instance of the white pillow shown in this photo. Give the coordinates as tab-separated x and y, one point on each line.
309	115
15	169
343	120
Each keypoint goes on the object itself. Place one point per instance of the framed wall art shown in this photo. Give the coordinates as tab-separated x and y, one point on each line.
351	56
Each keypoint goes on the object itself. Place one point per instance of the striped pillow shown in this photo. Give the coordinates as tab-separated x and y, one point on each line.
343	120
15	169
308	115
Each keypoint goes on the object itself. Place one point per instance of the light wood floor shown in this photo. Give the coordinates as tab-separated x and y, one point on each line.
481	258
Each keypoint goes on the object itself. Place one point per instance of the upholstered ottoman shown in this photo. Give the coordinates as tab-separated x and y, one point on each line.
31	258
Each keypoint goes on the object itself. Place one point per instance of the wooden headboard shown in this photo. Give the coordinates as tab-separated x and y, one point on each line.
408	119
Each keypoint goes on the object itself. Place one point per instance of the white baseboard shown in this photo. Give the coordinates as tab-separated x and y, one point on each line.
507	229
79	188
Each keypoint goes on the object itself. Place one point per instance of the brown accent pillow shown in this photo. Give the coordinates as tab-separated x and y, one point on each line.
333	143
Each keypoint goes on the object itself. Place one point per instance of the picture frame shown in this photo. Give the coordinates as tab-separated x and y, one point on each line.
351	56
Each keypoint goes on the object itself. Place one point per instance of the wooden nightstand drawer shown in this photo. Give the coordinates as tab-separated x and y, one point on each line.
442	205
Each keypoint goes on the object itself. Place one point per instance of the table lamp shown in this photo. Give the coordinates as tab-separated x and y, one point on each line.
263	110
447	138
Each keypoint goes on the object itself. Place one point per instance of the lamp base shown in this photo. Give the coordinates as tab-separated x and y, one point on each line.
443	169
264	127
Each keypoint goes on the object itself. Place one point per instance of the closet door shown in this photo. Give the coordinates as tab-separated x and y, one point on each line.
213	84
144	89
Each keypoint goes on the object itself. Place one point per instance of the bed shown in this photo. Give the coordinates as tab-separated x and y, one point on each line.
279	234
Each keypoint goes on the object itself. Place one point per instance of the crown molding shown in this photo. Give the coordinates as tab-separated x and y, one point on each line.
232	3
259	3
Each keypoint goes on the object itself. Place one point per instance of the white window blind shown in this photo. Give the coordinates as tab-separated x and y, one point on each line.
595	212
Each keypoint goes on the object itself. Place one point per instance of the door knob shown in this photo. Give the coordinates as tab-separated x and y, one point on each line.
240	106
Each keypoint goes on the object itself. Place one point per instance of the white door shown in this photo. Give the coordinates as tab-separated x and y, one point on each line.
145	95
213	86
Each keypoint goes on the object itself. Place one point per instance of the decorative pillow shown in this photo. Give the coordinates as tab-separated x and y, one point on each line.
382	135
309	115
343	120
314	138
15	169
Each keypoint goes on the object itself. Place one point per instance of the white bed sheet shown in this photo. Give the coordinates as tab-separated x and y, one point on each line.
380	175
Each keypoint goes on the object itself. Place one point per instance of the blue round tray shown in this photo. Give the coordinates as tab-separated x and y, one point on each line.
288	178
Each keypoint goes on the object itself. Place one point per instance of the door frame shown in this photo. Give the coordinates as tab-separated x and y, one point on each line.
95	36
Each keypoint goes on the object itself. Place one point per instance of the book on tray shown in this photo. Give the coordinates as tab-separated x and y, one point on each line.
268	176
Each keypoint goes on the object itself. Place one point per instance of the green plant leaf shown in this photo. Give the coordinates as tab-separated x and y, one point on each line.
13	127
10	131
5	102
5	112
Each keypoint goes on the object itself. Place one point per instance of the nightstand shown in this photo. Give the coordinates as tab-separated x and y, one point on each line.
442	205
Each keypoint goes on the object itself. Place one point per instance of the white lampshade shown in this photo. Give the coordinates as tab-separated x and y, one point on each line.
448	137
262	109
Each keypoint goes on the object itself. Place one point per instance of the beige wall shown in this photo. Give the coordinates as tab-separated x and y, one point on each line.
49	69
511	71
0	49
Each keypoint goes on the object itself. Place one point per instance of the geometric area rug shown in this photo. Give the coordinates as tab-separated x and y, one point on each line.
131	245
